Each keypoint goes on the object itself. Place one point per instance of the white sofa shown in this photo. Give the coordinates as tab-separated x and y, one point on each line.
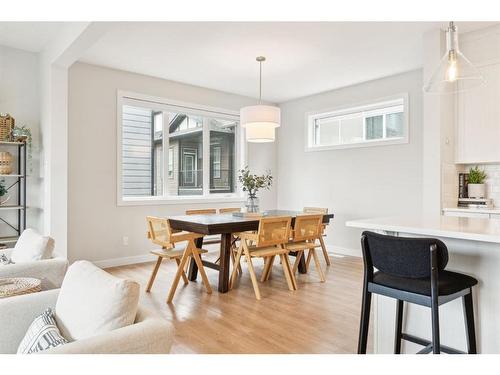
50	271
95	311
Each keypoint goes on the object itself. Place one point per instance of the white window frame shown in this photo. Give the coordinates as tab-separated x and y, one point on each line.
369	109
169	105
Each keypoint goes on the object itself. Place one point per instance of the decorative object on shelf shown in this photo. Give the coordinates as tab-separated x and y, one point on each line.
3	193
251	183
260	121
6	124
23	134
476	186
6	162
455	72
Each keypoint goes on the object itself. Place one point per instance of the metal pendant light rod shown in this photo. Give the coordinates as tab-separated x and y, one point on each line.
260	59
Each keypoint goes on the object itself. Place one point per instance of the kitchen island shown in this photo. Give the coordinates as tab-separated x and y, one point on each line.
474	248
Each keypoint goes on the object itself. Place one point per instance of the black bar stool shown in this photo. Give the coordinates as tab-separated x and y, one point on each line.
412	270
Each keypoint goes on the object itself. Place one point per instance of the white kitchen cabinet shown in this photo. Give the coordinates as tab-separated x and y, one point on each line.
478	120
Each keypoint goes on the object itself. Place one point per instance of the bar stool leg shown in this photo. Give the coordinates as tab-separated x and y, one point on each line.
365	321
399	327
436	345
469	323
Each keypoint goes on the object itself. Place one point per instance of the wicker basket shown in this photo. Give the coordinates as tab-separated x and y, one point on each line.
6	125
6	162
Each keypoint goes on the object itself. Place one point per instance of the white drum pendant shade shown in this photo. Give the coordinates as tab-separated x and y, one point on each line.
260	114
259	132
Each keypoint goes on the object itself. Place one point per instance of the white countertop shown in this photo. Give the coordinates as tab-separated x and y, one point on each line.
474	229
473	210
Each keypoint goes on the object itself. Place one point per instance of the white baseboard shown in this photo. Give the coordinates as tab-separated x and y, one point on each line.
338	250
115	262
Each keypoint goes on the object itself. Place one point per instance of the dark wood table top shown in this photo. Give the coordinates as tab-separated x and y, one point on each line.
228	222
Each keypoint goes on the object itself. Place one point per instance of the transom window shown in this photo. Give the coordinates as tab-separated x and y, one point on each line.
204	150
380	123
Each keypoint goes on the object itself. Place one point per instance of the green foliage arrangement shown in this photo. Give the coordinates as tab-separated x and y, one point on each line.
476	175
252	182
3	189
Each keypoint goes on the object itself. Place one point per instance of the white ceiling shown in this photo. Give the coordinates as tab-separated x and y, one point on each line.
302	58
28	36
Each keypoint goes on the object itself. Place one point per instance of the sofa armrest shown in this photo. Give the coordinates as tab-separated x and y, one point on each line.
50	271
148	335
18	312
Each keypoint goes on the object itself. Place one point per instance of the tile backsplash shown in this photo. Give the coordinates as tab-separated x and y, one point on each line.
492	181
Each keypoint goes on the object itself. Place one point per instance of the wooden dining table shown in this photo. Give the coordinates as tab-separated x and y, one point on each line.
226	224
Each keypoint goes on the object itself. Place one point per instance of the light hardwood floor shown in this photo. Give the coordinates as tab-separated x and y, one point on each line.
317	318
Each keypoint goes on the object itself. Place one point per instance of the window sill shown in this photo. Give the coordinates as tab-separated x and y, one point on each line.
369	143
150	201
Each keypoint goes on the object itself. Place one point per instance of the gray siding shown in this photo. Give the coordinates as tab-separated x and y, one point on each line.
136	151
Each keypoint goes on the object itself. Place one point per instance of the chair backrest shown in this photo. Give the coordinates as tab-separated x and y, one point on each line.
273	231
402	256
159	231
307	227
229	209
315	210
205	211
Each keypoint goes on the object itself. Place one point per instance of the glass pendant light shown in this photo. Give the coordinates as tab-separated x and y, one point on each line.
260	121
455	72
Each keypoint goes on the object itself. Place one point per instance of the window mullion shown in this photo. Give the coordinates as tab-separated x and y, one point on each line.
165	145
206	156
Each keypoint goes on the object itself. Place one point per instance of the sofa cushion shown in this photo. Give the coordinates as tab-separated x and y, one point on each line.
32	246
92	302
42	334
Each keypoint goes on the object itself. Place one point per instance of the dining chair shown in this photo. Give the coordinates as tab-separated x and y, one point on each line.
324	211
229	210
161	233
268	242
306	230
208	240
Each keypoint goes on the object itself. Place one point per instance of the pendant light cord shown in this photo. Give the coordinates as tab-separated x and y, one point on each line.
260	82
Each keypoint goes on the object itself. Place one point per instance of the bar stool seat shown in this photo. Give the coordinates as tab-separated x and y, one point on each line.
449	283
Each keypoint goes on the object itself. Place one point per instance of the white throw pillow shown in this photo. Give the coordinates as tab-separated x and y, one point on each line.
32	246
92	302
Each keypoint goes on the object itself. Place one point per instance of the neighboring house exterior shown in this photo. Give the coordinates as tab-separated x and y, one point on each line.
142	166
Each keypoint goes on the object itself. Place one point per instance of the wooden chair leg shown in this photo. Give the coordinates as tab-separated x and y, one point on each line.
184	277
287	272
325	252
364	321
233	260
299	256
232	279
153	275
270	271
292	275
308	261
180	270
267	264
317	265
469	323
252	273
399	327
201	269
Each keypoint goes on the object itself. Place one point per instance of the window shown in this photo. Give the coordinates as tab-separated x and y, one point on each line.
204	150
381	123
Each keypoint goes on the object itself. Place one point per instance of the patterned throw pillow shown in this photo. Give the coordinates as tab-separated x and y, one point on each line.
42	334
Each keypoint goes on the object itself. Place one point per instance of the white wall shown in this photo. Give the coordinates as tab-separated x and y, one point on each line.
96	225
353	183
19	96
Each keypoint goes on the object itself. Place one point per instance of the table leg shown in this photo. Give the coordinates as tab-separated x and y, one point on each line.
225	256
193	268
302	265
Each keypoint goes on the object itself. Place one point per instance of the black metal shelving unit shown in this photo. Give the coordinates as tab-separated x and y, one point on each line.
15	181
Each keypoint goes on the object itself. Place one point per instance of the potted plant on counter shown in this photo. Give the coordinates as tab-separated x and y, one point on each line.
476	187
252	183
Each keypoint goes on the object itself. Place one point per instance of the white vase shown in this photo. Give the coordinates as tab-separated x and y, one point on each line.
476	190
